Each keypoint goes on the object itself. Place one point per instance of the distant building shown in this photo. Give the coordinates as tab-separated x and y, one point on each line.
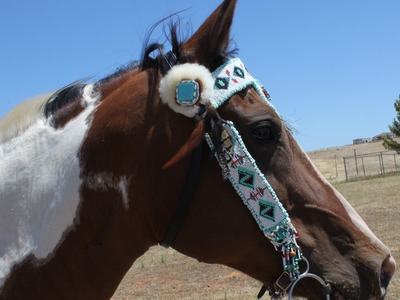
362	141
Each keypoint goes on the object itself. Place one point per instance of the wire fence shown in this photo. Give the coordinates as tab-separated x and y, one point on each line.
371	164
348	168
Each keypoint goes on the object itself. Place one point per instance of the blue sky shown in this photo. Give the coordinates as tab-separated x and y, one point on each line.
331	67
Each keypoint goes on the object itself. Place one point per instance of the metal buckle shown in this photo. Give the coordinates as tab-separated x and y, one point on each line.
278	289
284	281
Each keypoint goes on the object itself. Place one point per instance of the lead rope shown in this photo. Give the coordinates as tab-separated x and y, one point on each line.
185	199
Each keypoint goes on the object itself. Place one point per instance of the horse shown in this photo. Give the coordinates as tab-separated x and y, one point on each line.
96	173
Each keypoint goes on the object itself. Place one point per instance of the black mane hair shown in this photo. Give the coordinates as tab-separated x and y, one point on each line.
166	60
63	97
154	55
121	71
163	61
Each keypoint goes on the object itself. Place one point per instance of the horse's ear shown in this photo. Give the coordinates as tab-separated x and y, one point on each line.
211	40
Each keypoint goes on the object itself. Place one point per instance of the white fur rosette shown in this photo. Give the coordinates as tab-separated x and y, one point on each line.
184	72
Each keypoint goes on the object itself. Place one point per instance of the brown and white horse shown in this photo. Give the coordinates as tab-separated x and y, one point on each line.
83	192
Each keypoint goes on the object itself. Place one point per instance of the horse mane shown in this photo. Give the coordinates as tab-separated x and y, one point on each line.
176	37
63	97
27	112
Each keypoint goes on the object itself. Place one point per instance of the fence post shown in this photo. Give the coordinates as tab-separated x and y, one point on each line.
336	167
362	161
383	164
345	169
355	159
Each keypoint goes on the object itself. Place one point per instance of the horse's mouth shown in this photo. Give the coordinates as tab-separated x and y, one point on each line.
348	292
344	292
336	295
314	291
336	292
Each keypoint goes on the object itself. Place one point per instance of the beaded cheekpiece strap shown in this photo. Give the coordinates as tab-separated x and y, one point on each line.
244	174
259	197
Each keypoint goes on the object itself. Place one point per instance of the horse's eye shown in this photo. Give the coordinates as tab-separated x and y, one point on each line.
262	133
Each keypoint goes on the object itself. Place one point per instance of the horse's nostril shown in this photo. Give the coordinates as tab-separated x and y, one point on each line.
387	271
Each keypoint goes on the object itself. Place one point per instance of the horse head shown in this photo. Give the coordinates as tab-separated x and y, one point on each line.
218	229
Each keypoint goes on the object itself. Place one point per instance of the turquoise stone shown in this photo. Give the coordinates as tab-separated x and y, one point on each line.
187	92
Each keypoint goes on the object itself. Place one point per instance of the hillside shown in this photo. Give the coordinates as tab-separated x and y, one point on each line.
331	164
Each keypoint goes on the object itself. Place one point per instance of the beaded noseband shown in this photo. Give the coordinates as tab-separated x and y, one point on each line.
189	84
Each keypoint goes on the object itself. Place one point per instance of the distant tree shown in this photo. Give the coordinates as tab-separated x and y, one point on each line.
388	141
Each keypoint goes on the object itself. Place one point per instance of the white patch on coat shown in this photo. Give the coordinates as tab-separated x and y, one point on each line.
104	181
39	186
123	188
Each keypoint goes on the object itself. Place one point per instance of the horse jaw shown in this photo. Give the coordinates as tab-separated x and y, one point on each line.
365	260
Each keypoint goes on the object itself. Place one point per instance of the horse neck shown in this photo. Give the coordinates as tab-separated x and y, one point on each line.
61	233
107	196
143	135
128	198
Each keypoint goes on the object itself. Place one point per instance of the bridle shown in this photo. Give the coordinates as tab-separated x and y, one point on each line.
185	199
237	164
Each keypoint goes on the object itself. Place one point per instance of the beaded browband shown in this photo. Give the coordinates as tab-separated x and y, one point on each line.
188	87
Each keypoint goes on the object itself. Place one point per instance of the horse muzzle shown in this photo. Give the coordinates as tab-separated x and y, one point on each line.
373	287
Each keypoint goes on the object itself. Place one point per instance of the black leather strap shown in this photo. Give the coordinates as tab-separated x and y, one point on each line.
186	198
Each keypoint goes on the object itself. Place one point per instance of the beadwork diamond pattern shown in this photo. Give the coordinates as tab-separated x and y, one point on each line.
222	83
238	72
267	210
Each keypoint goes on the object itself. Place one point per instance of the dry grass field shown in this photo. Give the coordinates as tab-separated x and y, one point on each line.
330	161
165	274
